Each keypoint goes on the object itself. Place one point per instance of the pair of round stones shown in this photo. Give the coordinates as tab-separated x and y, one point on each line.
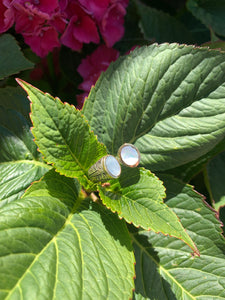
109	166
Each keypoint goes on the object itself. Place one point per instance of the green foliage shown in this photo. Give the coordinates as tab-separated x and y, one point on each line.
211	13
163	266
142	235
137	197
12	60
59	236
153	23
166	109
63	136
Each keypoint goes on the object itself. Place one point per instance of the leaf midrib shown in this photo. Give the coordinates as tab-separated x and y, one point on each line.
76	204
56	99
159	266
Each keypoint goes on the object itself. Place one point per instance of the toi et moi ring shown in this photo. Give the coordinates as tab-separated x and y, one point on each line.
108	166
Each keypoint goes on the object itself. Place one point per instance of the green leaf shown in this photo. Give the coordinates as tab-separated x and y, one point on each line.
164	267
16	140
160	27
189	170
19	159
63	135
137	196
166	99
15	98
210	12
216	177
12	60
17	176
62	246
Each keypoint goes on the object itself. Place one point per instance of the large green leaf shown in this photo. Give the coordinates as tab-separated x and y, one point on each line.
12	60
164	267
166	99
138	198
210	12
189	170
63	247
63	135
216	177
16	177
20	163
160	27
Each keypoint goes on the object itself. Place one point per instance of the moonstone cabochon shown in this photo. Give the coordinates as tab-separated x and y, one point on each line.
129	155
112	166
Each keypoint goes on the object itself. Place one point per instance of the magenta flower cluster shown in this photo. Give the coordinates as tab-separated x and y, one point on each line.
46	24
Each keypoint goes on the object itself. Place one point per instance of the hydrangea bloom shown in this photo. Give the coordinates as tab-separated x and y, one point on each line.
6	16
111	25
92	66
81	28
79	21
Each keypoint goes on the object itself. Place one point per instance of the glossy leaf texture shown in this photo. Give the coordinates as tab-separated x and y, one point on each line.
63	246
20	163
210	12
137	196
153	23
12	59
164	267
63	135
167	99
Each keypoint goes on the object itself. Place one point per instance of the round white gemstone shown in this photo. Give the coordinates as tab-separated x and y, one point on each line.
129	156
112	166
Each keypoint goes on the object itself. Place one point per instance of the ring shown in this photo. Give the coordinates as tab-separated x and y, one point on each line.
129	155
105	168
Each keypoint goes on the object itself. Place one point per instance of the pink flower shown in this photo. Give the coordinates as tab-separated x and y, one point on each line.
96	8
81	29
6	16
111	25
92	66
44	41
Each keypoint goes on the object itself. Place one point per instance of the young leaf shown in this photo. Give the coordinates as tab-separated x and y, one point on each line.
12	60
164	266
210	12
138	198
63	135
56	248
166	99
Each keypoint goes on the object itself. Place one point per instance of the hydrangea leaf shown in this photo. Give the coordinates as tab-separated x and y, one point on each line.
16	139
57	247
216	177
12	59
153	23
63	135
210	12
138	198
17	176
164	265
167	99
15	98
189	170
20	162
